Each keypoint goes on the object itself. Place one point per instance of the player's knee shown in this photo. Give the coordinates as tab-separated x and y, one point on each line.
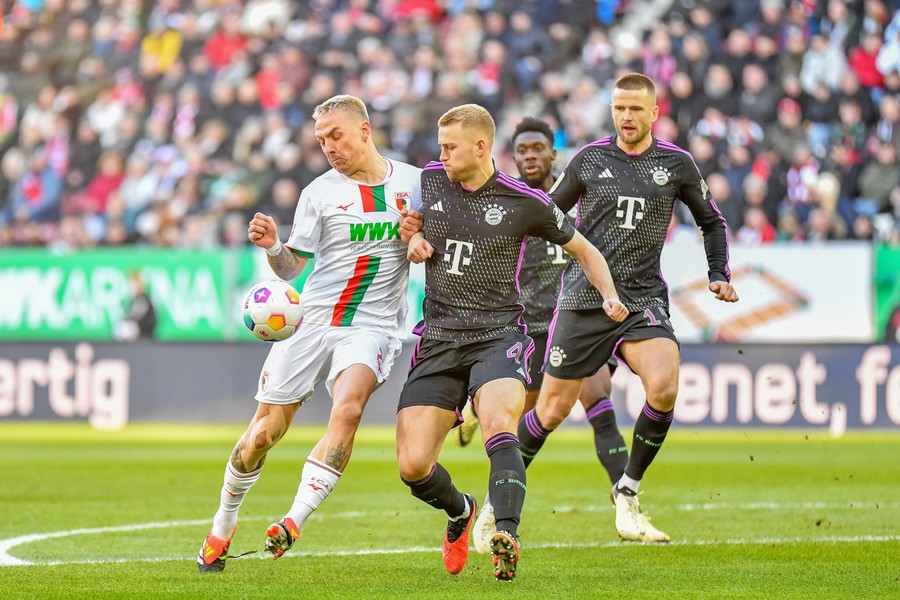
348	411
552	413
412	468
662	396
553	419
264	436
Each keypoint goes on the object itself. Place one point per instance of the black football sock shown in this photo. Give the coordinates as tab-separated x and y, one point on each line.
649	433
608	440
507	481
532	436
438	491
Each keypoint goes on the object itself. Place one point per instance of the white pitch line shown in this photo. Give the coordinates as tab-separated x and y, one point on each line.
543	546
738	506
8	544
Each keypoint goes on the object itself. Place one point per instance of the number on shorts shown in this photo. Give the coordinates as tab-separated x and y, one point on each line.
515	353
651	317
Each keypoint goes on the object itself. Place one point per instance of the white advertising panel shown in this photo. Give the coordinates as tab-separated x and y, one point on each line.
789	293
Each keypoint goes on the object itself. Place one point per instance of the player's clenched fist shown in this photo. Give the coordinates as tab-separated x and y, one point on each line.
411	222
419	249
724	291
262	231
615	309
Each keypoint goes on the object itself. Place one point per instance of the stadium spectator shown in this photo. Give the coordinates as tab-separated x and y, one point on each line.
36	195
140	318
876	181
756	229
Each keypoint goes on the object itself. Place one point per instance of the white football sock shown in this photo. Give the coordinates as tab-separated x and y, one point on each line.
234	489
628	482
316	482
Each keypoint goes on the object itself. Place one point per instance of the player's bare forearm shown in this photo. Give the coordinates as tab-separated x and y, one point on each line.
596	270
411	222
419	249
286	264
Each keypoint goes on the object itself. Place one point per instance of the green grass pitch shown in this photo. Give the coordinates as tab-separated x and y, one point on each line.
752	514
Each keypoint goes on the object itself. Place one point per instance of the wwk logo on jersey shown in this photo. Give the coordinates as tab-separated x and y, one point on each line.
631	209
494	214
557	356
374	232
458	254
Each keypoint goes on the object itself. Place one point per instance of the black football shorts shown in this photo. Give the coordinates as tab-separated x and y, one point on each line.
581	341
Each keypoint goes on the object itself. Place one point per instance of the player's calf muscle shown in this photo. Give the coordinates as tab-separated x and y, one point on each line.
336	455
239	463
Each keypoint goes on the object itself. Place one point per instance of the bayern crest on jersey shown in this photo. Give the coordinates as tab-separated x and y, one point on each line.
402	199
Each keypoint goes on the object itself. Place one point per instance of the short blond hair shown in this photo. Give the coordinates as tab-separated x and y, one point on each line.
343	102
636	81
470	116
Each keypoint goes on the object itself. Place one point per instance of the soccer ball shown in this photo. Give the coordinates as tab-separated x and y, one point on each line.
272	310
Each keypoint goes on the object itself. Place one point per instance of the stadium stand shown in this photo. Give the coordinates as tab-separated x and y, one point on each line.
168	123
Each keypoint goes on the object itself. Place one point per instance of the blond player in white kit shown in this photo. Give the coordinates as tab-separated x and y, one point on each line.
355	311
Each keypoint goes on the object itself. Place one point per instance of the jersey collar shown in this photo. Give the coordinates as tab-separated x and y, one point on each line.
615	145
389	170
470	193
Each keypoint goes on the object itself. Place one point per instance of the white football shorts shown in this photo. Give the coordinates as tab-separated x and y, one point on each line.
296	365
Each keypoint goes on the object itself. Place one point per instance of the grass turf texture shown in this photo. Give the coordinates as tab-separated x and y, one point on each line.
752	514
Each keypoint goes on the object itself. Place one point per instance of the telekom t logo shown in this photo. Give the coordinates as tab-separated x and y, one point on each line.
558	254
458	254
630	213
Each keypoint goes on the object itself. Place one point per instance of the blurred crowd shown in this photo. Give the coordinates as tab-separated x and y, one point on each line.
169	123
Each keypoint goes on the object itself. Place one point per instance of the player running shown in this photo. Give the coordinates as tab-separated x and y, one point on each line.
355	311
625	188
542	269
473	338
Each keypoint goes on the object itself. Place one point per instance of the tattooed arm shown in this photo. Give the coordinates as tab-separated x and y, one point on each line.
263	233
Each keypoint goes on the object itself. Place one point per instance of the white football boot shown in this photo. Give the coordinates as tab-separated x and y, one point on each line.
485	527
631	523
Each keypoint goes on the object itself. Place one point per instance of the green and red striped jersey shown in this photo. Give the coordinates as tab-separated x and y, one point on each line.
361	272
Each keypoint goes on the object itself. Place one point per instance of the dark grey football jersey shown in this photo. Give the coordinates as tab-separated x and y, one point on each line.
540	279
624	206
472	279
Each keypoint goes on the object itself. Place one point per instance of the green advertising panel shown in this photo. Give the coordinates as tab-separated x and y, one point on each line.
84	295
887	294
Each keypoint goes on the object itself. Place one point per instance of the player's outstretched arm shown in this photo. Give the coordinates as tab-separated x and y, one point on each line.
597	272
411	221
419	249
263	233
724	291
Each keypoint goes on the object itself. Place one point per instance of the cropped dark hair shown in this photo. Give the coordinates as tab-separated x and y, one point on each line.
532	124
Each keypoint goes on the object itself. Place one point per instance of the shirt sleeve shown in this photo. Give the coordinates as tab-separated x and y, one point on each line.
695	194
547	221
307	229
416	200
568	188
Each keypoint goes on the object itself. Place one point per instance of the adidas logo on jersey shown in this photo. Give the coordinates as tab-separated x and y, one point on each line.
606	174
437	206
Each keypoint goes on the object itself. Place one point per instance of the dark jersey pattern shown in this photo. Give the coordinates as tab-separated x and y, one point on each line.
625	205
541	275
471	281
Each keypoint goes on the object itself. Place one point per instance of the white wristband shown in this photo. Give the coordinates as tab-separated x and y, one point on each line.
276	248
